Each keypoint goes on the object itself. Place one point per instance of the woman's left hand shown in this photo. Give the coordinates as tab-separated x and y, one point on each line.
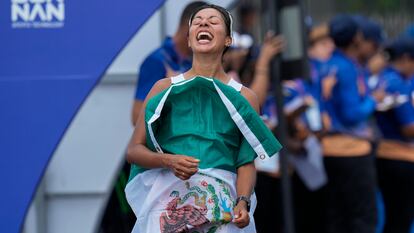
241	215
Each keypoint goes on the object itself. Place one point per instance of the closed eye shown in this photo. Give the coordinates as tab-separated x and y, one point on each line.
196	21
212	20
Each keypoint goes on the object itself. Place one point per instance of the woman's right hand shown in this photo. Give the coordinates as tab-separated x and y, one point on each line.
272	45
183	166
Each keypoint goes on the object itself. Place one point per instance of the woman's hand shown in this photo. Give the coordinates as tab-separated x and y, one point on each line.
183	166
241	215
272	45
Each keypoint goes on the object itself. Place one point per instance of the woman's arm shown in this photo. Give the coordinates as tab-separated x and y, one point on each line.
246	174
246	179
138	153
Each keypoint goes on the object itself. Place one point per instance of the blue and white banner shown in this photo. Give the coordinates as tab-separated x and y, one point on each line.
52	53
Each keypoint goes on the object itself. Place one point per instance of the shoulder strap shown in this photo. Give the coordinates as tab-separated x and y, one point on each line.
177	79
233	83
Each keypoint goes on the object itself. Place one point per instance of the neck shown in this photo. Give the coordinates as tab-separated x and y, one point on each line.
208	65
351	52
180	43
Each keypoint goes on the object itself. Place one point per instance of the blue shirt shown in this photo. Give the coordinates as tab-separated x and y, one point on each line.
313	85
295	94
154	67
318	71
348	108
391	121
302	88
412	90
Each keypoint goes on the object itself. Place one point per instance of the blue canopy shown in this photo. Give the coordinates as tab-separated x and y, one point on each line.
52	54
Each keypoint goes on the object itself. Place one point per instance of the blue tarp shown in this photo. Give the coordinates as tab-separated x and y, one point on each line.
52	53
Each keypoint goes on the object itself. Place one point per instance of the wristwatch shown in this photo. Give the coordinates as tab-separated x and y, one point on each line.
246	199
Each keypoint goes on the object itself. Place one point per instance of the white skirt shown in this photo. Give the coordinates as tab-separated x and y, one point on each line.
203	204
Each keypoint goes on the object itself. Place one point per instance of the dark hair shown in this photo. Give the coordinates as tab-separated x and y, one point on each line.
370	29
342	30
224	13
400	47
188	11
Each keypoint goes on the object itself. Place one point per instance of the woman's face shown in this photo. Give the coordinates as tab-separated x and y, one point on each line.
207	32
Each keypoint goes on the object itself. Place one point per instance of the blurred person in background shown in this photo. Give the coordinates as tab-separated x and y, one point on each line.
409	31
395	152
321	45
322	74
320	50
173	57
372	38
247	17
308	181
260	82
236	56
376	64
351	189
268	184
371	58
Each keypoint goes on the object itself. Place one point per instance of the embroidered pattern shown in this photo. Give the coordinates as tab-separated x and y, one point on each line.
205	205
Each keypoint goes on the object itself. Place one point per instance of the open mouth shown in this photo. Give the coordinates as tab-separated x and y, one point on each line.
204	37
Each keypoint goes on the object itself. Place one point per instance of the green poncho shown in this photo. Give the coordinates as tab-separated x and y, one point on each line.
211	121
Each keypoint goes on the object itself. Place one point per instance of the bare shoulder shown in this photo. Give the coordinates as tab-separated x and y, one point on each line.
251	97
159	86
162	84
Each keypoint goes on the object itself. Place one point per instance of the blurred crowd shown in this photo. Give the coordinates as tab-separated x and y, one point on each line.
350	120
350	125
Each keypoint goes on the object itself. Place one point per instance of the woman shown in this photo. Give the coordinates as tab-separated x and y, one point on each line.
395	151
195	142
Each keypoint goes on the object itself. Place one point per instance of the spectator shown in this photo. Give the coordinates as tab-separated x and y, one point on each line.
350	192
396	150
372	38
173	57
247	15
370	58
308	191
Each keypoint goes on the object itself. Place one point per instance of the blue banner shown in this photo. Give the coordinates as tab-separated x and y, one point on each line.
52	53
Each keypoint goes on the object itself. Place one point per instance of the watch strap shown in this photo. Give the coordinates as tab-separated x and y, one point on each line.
244	198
